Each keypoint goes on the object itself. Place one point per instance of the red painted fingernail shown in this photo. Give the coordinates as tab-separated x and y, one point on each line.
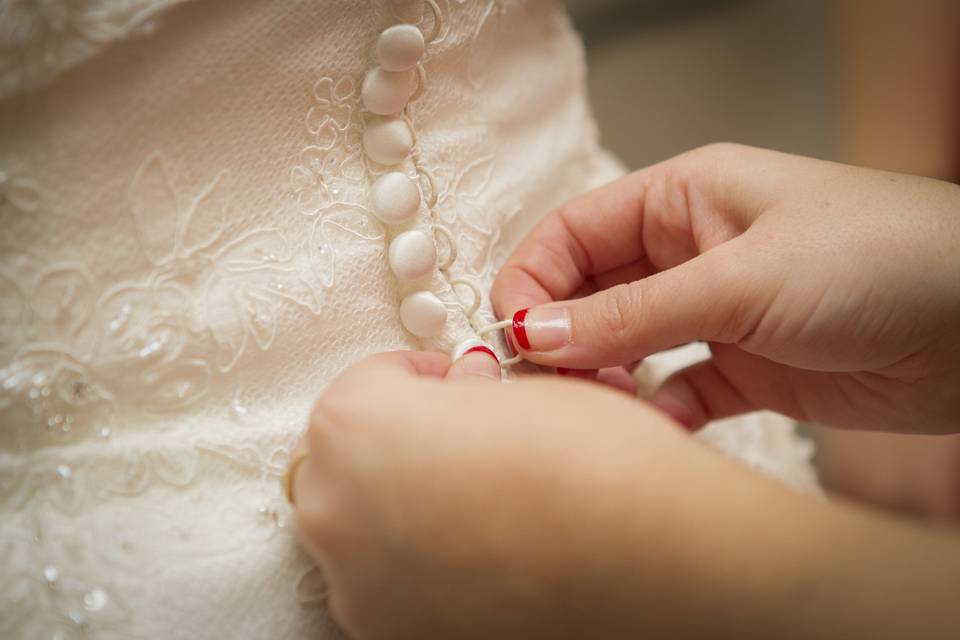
485	350
520	329
542	329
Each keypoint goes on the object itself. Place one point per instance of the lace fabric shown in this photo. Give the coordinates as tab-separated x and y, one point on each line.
41	38
188	257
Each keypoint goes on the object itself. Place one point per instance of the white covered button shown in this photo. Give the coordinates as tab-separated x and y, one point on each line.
412	254
471	343
423	314
400	47
387	140
394	197
386	92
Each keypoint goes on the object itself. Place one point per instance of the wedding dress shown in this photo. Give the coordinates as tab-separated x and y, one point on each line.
192	247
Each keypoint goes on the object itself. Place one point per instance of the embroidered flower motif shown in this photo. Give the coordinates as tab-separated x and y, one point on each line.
233	287
70	349
334	110
461	204
340	224
333	161
324	177
458	193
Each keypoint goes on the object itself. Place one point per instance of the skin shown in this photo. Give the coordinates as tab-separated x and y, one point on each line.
827	293
456	507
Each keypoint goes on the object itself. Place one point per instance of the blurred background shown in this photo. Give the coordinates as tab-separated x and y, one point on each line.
868	82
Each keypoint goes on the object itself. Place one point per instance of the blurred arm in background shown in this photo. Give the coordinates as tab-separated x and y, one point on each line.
900	110
900	92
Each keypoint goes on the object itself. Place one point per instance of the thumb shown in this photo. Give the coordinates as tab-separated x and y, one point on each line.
477	361
716	297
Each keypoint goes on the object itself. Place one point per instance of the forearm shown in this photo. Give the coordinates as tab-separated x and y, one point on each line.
882	577
774	563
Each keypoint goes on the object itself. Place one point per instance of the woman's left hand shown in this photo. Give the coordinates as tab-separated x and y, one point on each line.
547	508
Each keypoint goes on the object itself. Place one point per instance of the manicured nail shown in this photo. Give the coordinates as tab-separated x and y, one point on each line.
486	350
477	361
542	328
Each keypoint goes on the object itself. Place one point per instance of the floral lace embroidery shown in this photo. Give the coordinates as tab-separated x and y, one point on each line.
160	339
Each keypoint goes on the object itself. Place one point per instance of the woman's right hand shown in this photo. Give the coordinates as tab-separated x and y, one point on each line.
828	293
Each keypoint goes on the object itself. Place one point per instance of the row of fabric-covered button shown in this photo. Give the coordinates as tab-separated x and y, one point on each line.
395	197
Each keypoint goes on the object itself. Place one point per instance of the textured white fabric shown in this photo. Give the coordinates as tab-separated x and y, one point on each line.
188	256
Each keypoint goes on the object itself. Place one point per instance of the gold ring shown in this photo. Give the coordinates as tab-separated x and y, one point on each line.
291	472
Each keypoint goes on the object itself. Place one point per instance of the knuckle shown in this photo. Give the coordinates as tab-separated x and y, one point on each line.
720	150
714	159
747	303
572	252
334	408
620	309
561	214
313	522
321	521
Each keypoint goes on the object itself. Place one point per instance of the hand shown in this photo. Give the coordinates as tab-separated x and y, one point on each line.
555	509
828	293
465	508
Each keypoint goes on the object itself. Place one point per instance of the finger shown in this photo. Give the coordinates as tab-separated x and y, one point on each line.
299	459
388	374
477	363
719	296
614	377
734	381
699	394
618	378
621	275
408	363
580	374
663	215
310	502
562	251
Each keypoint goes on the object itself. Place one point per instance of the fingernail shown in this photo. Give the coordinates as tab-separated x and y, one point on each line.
478	361
474	358
542	328
486	350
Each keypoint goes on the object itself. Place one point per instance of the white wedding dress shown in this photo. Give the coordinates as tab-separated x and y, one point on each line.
189	254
